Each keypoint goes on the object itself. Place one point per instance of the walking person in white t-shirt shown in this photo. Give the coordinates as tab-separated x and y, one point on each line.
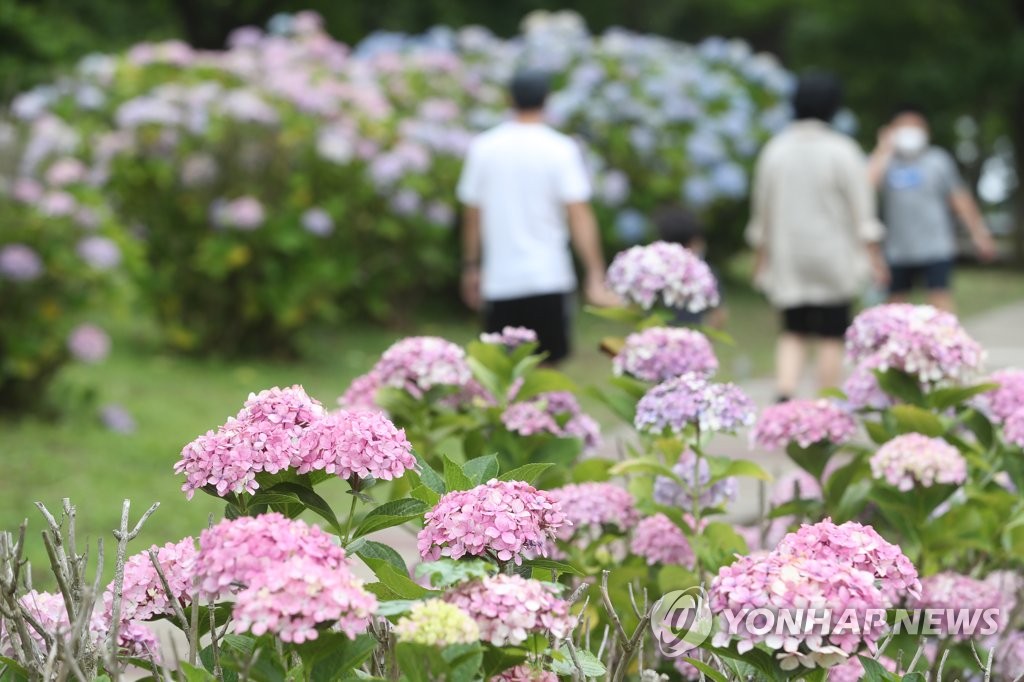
526	197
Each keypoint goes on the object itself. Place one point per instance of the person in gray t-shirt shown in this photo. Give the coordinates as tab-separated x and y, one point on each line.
922	196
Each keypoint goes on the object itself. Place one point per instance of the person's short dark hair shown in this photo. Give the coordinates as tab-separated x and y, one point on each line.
819	95
529	89
908	108
677	225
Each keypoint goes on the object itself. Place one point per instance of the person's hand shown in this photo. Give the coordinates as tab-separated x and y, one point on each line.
884	140
598	294
986	247
470	287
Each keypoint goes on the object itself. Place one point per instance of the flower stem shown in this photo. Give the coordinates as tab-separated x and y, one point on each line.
348	521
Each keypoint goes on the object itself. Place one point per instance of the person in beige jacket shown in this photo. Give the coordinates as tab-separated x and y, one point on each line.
815	232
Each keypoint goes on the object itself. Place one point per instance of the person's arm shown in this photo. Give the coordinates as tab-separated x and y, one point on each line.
471	252
756	233
586	241
861	197
966	209
880	157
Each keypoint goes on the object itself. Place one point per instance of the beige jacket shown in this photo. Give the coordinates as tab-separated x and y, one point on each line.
814	214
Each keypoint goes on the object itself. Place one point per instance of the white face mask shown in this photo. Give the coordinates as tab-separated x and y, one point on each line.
909	140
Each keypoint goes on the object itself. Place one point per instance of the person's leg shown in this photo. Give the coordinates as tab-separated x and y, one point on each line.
901	281
937	279
830	327
791	352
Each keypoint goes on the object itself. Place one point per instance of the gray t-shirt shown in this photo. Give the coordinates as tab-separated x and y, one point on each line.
920	227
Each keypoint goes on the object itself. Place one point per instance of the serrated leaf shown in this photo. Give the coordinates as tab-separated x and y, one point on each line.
708	671
563	663
425	495
454	477
368	549
630	316
393	513
393	607
194	673
448	572
291	493
644	465
900	385
481	469
429	476
724	467
527	473
877	432
550	564
944	398
399	583
332	655
592	469
544	381
913	419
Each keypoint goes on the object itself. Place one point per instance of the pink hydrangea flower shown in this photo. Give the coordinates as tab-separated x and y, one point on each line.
804	422
692	399
244	213
661	353
65	171
361	394
144	597
696	474
503	518
355	443
292	598
950	590
660	541
1010	662
913	459
508	608
525	673
862	548
510	337
99	253
862	389
88	343
853	669
547	412
594	504
922	341
1013	429
419	363
666	272
235	551
778	582
1008	398
266	435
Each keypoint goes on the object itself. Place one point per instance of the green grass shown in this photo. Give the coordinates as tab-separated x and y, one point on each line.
173	399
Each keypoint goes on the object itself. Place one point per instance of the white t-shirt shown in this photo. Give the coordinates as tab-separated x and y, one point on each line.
521	176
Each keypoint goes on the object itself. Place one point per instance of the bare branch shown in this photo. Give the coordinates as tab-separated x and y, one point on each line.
606	598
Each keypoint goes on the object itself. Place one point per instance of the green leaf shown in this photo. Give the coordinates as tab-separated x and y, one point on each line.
724	467
981	427
454	477
393	607
592	469
559	451
717	335
874	672
559	566
634	388
484	375
644	465
425	495
294	492
672	577
913	419
448	572
544	381
527	473
481	469
399	583
708	671
900	385
631	316
877	432
429	476
332	655
194	673
591	665
393	513
368	549
15	667
619	402
812	459
945	398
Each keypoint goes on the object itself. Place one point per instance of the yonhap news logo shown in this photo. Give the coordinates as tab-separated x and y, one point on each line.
681	621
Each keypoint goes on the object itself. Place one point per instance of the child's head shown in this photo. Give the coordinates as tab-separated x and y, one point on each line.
677	225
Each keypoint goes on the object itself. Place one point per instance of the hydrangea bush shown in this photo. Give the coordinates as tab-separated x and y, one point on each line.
290	178
536	561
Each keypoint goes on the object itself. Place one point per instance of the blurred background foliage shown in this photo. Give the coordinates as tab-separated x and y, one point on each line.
956	58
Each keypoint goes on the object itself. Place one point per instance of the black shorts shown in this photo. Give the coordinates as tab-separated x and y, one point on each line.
936	276
824	321
546	314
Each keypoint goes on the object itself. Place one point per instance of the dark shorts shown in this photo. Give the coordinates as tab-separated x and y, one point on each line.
824	321
935	275
546	314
